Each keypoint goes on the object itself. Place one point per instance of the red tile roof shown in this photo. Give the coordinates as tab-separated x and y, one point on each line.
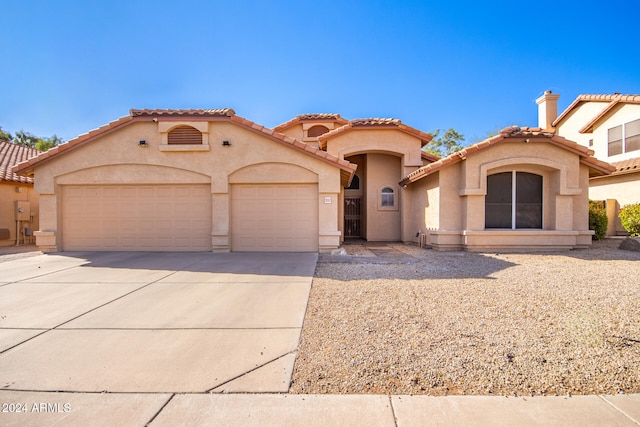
627	166
375	123
317	117
597	167
12	154
221	112
226	114
615	100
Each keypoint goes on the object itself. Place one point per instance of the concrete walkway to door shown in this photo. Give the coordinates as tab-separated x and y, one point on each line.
152	322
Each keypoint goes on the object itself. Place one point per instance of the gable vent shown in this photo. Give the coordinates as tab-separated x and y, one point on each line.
185	135
317	130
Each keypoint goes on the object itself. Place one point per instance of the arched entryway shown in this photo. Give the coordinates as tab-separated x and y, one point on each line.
371	203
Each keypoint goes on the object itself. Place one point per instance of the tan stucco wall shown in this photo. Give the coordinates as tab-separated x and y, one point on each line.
626	188
577	119
378	141
423	210
10	192
294	131
117	158
383	223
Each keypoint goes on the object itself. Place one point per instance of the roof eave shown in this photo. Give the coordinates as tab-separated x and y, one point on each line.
424	137
28	166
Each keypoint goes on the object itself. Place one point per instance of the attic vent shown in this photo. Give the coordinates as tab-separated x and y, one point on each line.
317	131
185	135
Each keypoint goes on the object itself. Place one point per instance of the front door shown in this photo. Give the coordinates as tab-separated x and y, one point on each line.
352	217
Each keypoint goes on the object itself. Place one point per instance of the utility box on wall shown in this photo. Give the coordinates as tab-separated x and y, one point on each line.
23	210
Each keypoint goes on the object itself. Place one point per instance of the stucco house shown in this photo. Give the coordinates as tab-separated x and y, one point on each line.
610	126
209	180
18	202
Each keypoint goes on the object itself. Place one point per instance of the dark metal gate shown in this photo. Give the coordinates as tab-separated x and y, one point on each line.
352	217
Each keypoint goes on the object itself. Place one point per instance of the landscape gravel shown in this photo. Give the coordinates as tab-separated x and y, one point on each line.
443	323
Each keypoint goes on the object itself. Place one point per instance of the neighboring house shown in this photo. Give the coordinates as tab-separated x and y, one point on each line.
18	203
211	180
610	126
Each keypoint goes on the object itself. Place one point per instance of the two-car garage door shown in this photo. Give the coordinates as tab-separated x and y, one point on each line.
137	218
263	217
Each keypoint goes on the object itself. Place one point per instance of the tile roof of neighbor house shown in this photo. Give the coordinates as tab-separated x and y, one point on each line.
626	166
597	167
615	100
225	114
376	123
317	117
12	154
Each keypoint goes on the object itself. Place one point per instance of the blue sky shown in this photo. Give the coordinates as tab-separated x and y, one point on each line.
71	66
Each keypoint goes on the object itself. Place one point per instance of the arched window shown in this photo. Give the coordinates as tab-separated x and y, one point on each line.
387	199
317	130
184	135
513	201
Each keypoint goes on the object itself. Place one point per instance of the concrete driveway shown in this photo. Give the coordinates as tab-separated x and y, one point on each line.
152	322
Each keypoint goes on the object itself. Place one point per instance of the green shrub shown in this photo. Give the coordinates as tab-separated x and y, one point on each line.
598	220
630	218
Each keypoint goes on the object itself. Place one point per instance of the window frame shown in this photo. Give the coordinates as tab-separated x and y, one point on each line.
516	203
165	127
617	143
626	138
384	193
635	137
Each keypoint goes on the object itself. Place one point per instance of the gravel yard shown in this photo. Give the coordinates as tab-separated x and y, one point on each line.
443	323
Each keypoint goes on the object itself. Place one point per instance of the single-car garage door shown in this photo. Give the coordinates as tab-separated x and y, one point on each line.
136	218
274	217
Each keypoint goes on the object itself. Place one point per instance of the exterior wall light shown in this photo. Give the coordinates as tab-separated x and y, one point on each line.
226	144
143	143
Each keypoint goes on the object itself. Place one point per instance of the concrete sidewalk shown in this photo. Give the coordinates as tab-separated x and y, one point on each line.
167	409
134	339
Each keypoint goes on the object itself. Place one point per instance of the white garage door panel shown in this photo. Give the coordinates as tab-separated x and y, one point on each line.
274	218
137	217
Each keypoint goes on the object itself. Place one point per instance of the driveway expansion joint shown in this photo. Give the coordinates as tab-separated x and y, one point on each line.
248	372
161	409
113	300
619	410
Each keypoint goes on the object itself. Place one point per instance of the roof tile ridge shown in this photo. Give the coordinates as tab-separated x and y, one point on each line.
335	117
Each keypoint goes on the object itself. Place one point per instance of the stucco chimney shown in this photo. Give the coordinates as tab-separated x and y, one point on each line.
547	109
